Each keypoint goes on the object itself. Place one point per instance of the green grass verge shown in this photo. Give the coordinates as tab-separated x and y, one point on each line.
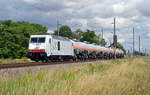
10	61
119	77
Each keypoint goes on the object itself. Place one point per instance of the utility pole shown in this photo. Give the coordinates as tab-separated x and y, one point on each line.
58	26
133	41
139	44
114	26
115	36
102	32
145	52
114	32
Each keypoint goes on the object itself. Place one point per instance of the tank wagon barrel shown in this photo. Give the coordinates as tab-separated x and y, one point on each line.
48	47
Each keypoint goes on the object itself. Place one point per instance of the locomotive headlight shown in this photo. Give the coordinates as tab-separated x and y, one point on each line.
36	51
42	50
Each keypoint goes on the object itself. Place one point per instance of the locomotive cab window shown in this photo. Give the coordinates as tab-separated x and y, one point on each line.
58	46
37	40
34	40
41	40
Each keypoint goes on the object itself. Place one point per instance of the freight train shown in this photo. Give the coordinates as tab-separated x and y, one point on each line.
47	47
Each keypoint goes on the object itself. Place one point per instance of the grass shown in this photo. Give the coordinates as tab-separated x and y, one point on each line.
118	77
10	60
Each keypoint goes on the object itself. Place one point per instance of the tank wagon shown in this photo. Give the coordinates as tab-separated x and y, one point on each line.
48	47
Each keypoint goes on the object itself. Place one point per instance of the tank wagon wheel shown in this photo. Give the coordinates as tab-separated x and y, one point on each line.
52	60
61	60
75	59
44	61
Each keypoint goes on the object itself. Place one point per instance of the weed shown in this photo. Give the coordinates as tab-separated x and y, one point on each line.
118	77
9	61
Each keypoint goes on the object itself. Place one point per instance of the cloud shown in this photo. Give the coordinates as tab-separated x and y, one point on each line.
143	7
31	1
50	31
148	34
76	22
70	4
91	14
119	8
121	41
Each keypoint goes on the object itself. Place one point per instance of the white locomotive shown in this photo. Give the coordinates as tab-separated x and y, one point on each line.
51	47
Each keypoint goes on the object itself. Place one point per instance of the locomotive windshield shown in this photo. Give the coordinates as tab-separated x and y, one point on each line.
37	40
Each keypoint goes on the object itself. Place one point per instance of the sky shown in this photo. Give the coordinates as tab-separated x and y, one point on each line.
86	14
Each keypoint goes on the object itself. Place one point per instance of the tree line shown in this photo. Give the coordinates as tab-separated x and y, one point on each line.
88	35
14	37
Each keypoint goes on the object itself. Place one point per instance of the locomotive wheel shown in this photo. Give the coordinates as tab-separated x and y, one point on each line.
44	61
36	60
75	59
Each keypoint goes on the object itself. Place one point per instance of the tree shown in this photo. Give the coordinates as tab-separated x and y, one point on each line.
90	37
78	34
102	41
137	53
120	46
14	37
65	31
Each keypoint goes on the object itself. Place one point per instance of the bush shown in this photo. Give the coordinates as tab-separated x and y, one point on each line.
14	37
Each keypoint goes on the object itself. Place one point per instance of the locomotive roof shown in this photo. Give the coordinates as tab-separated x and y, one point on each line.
56	37
60	38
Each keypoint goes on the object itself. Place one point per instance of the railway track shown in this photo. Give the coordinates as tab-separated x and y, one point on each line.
18	65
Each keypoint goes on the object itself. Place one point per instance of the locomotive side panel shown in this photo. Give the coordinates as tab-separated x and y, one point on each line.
61	47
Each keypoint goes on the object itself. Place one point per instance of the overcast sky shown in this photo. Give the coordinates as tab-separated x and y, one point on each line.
91	14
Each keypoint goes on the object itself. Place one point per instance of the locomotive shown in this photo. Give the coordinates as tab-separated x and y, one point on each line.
48	47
